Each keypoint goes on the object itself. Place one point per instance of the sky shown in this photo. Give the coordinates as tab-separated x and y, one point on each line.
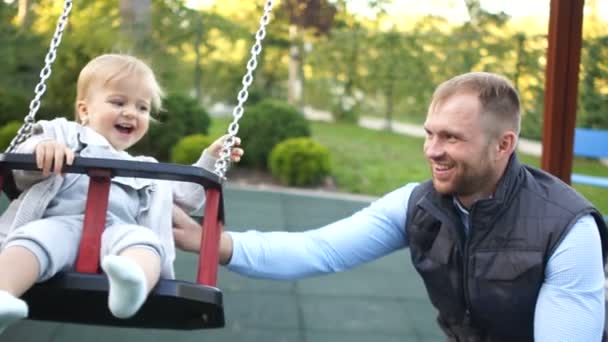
454	10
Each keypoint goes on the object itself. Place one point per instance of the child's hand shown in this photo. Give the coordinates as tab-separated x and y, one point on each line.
51	153
216	147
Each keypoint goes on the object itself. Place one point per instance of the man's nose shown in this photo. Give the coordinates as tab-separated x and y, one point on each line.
432	148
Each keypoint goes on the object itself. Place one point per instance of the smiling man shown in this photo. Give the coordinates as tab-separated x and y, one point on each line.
507	252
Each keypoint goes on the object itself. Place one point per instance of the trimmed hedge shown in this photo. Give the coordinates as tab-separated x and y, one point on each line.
299	162
189	148
182	116
7	133
265	125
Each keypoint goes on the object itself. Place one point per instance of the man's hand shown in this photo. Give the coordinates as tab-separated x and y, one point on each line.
216	147
187	236
186	231
51	153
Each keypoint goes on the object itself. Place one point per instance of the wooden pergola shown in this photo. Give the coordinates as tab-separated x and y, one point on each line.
561	86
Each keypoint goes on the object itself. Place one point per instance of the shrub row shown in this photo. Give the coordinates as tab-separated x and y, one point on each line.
276	137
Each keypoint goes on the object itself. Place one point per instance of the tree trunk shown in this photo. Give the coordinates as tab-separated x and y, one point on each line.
519	62
294	85
390	101
198	56
24	14
135	21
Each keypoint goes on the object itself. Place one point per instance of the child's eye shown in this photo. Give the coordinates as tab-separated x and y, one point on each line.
143	108
117	102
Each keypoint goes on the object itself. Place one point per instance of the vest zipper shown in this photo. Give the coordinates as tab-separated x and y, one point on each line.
465	285
465	271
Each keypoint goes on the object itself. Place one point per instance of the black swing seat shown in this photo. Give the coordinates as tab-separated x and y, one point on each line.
82	297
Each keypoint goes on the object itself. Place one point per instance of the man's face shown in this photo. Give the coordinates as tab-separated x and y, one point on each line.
458	149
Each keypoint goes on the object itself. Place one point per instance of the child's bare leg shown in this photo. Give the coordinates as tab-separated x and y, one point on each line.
132	274
19	271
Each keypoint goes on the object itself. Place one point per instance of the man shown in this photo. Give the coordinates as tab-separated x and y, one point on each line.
507	252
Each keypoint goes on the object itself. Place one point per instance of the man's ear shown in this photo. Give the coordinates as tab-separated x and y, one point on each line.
507	144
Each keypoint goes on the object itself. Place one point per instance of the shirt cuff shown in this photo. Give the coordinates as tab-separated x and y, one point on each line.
236	260
206	161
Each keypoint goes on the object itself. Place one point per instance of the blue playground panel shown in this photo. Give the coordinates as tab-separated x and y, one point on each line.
590	143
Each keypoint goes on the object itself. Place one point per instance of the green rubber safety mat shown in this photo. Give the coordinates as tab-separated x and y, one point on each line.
382	301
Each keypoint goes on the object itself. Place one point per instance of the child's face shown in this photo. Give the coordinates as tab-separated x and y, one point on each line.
119	110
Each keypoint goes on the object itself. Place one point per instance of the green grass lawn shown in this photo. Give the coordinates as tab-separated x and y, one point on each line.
373	162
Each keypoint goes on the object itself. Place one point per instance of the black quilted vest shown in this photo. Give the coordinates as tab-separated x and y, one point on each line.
485	286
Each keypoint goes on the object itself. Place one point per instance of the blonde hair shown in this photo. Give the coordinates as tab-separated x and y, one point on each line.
498	98
112	67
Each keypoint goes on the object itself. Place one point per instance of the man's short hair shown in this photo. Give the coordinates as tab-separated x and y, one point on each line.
498	98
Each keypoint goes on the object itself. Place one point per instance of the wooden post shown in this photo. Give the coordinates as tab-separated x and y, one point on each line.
561	86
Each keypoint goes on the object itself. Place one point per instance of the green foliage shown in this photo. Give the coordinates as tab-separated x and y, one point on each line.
13	105
188	149
21	53
532	125
8	132
384	71
593	100
299	162
182	116
266	124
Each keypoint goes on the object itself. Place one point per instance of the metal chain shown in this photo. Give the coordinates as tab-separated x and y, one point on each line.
221	165
26	130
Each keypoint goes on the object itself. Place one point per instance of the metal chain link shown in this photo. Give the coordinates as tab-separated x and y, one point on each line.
26	130
221	165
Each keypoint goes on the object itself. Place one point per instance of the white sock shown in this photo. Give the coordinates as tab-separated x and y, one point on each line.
127	285
12	309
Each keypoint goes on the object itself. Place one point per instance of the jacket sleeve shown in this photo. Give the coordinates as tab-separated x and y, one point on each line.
190	196
43	130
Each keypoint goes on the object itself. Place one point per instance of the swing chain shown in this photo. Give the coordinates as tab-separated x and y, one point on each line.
26	130
221	165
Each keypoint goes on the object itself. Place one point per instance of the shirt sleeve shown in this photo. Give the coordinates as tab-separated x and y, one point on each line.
570	304
371	233
191	196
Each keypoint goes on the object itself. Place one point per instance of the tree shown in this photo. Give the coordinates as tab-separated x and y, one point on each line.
23	18
317	15
135	22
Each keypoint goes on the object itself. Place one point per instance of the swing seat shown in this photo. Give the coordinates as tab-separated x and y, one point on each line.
81	296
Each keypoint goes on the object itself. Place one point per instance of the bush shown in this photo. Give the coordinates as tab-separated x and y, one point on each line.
188	149
182	116
13	105
532	126
299	162
7	133
266	124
